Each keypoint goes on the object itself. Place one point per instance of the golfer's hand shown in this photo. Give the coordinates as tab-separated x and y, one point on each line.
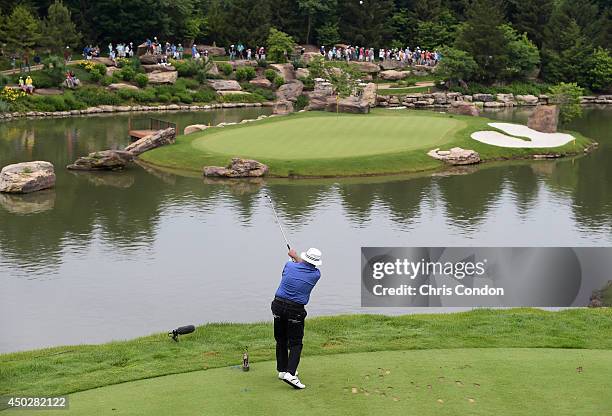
293	254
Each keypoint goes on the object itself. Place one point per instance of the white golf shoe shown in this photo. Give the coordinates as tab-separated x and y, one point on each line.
293	381
281	374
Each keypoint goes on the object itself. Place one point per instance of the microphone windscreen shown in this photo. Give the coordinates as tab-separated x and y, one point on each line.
188	329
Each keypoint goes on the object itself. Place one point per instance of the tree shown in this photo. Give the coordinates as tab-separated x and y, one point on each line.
439	31
311	8
529	16
344	78
598	70
22	29
483	38
456	66
58	30
327	34
523	54
567	97
280	45
366	23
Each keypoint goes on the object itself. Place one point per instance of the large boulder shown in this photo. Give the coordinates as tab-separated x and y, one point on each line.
102	160
212	50
238	168
309	56
103	60
282	107
261	82
391	64
194	128
159	77
368	94
290	91
393	75
158	67
122	86
302	73
366	67
148	59
285	70
455	156
527	99
224	85
157	139
464	108
348	105
483	97
545	119
27	177
506	99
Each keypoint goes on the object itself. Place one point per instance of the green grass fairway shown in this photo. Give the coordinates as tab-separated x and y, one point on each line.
325	137
428	382
321	144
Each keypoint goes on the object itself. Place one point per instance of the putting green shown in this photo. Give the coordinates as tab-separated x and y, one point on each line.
323	136
422	382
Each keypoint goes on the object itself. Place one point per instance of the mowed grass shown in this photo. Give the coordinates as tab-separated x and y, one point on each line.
427	382
324	137
321	144
69	369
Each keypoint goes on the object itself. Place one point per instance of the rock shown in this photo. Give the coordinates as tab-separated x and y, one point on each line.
545	119
102	160
290	91
261	82
285	70
229	92
440	98
506	99
393	75
242	63
121	85
483	97
158	67
157	139
368	94
159	77
527	99
464	108
238	168
148	59
212	50
366	67
48	91
103	60
302	73
348	105
282	107
493	104
26	177
456	156
224	85
194	128
391	64
309	56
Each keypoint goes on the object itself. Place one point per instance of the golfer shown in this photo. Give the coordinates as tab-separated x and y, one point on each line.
299	278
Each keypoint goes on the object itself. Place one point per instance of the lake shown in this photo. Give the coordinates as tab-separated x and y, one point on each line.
108	256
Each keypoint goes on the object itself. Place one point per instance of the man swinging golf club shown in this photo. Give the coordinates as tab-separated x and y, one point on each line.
298	279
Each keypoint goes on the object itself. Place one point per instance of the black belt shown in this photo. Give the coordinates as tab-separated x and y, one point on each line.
288	302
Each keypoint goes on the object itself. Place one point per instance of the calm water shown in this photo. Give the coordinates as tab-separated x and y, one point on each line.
117	255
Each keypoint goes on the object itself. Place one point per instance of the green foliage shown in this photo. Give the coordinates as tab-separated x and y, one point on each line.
21	29
278	81
226	68
106	81
328	34
58	29
523	54
4	107
280	45
127	73
94	96
262	63
483	37
308	83
456	65
245	73
265	93
141	80
270	74
516	88
241	98
95	75
366	23
187	67
4	80
567	96
441	30
101	68
598	70
301	102
205	96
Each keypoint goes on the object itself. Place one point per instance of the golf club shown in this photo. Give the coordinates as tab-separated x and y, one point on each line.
278	222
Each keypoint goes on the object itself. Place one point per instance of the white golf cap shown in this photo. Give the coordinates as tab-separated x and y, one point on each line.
312	256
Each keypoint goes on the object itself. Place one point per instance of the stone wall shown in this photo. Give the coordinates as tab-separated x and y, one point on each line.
444	100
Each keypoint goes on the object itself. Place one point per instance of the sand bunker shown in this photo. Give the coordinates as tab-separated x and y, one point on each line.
534	139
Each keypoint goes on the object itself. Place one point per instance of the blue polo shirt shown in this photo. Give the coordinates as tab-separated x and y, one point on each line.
298	281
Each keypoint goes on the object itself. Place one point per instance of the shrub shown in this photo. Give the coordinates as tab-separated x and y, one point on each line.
188	83
175	99
245	73
116	77
127	73
106	80
278	81
95	75
567	96
241	98
145	96
184	97
142	80
262	92
4	80
4	107
226	69
270	74
262	63
101	68
301	102
205	96
93	96
126	93
187	68
163	98
280	45
308	83
297	63
202	76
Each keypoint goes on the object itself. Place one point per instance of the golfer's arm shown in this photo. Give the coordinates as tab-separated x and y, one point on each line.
295	257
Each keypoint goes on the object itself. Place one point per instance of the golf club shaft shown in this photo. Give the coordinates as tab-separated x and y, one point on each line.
278	222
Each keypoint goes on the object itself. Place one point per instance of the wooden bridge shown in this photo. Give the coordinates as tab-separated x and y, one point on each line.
140	128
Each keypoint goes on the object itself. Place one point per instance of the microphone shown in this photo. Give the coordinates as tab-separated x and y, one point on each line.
181	330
